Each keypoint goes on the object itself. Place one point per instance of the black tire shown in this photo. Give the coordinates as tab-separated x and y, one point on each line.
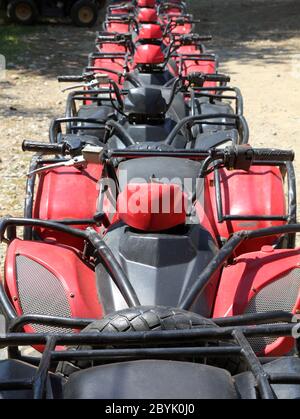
138	319
84	13
145	319
22	11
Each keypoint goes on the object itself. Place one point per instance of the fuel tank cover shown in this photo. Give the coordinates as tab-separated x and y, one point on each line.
152	206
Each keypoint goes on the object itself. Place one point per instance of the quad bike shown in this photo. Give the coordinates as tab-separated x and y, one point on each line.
149	113
100	198
162	262
83	13
148	55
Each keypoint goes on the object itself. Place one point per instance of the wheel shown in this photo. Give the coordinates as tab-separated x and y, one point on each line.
22	11
139	319
145	319
84	13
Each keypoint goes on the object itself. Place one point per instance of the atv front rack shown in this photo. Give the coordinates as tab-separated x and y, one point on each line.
168	345
105	94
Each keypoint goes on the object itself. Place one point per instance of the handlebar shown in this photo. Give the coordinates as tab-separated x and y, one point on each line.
239	157
242	157
267	155
113	37
186	19
70	79
200	78
194	38
44	148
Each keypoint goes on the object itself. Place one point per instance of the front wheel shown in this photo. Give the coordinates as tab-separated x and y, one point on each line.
84	13
139	319
22	11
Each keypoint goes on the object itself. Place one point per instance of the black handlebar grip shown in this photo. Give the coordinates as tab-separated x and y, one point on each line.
269	154
44	148
116	18
195	38
107	39
70	79
204	38
222	78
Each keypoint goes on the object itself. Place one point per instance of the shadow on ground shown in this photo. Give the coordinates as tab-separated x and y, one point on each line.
47	48
234	24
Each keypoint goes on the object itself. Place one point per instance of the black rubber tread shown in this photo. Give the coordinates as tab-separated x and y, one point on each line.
143	319
11	11
138	319
75	13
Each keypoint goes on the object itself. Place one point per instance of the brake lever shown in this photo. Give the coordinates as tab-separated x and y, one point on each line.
77	162
94	83
76	86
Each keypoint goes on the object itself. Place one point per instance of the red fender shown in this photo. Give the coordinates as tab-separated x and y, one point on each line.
146	3
115	64
254	275
257	192
195	66
117	27
149	54
150	31
110	48
66	193
63	265
147	16
182	29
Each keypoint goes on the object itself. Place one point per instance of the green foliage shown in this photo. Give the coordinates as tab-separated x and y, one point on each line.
13	39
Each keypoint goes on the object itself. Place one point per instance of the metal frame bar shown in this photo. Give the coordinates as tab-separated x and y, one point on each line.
290	217
139	345
109	56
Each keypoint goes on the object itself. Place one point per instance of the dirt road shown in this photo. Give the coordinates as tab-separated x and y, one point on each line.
258	42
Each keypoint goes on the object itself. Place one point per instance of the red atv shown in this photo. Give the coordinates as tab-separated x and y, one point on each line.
150	260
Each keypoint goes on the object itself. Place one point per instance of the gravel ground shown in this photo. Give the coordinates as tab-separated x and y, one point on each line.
258	42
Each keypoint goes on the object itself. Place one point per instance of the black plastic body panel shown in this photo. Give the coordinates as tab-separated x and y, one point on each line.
151	380
246	383
150	79
167	169
161	267
12	370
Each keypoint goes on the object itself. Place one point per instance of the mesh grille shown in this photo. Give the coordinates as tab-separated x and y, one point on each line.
41	293
280	295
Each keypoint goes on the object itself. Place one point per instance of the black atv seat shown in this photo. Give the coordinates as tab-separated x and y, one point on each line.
153	380
100	113
206	141
145	101
95	111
